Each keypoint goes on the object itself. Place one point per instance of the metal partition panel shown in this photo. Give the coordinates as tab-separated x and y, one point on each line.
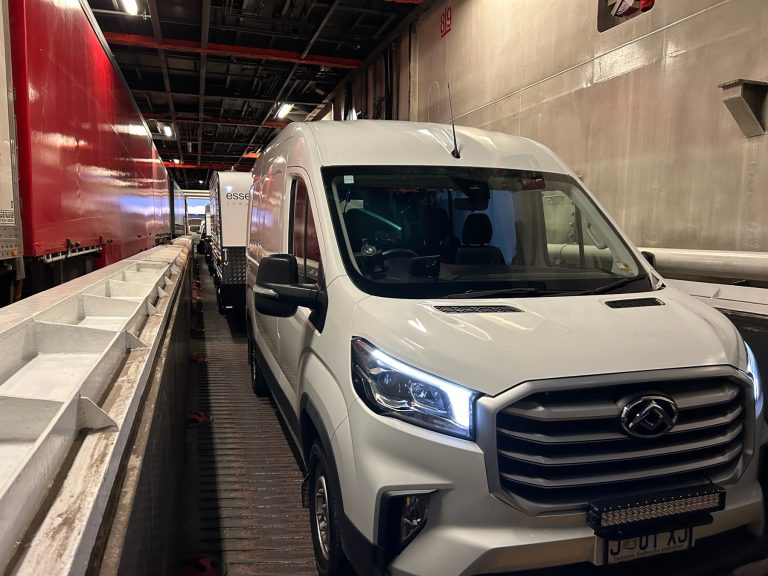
140	533
76	361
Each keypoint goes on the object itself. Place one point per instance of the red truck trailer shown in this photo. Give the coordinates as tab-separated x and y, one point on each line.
81	183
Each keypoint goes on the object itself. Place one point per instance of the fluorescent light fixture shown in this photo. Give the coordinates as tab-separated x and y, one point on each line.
131	7
284	110
176	161
167	130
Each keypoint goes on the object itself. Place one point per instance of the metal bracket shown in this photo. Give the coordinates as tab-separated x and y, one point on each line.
91	417
133	342
747	101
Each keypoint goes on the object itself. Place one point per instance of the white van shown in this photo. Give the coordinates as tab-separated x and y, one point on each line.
482	374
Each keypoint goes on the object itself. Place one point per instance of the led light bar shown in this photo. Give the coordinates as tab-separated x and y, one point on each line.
659	511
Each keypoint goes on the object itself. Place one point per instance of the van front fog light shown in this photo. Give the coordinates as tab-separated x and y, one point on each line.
402	517
413	516
393	388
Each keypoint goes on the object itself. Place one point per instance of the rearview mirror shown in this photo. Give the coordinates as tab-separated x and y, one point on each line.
277	291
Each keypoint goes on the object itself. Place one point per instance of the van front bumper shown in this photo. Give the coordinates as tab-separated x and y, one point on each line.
469	531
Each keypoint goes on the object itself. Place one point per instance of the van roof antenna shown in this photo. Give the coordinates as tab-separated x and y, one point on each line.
455	151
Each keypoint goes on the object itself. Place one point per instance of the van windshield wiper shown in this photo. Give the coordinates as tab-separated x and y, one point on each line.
520	291
523	291
614	285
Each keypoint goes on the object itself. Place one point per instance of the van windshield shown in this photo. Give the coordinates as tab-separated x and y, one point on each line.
431	232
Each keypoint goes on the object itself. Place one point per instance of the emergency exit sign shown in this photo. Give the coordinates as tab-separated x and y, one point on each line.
445	22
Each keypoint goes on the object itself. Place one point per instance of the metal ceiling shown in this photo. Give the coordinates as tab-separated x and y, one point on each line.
216	71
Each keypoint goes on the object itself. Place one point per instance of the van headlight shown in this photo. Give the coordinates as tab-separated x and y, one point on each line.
754	375
392	388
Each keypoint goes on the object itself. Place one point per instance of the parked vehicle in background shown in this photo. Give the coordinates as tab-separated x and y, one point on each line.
179	211
203	238
62	116
205	247
194	231
207	219
230	193
481	372
194	221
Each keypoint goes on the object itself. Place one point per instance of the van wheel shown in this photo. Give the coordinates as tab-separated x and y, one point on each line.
258	383
325	516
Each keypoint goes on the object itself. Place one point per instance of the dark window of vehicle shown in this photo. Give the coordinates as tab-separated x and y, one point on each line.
611	13
430	231
304	244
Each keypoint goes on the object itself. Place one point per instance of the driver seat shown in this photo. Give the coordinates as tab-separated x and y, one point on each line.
475	235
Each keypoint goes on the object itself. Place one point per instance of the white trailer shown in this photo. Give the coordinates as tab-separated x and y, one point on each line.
11	264
230	194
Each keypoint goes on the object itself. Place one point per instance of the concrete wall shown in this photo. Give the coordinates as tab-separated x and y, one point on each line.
635	110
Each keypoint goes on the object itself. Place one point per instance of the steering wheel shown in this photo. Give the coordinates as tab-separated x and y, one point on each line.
392	253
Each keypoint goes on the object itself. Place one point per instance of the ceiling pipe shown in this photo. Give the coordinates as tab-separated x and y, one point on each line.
217	120
246	52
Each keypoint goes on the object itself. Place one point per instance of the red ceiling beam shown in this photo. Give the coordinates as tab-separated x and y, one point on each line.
210	166
214	49
208	120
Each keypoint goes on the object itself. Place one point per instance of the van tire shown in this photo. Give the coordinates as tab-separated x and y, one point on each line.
258	382
329	557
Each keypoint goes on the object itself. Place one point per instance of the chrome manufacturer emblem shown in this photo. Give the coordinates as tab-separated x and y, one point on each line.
649	416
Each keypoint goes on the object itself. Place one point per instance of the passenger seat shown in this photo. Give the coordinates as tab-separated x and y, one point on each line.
475	235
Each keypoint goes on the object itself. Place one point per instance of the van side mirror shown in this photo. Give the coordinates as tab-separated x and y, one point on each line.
650	257
277	291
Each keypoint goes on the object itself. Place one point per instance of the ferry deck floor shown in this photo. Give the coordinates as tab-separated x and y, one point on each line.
242	493
242	488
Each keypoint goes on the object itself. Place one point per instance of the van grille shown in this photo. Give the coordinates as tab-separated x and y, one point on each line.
567	447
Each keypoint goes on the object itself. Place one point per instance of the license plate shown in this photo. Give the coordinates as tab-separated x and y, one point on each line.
650	545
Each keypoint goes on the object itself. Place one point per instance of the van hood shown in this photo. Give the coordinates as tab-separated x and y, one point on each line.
548	337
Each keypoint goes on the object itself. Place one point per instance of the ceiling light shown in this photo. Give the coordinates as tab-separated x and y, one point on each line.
284	110
176	161
200	181
131	7
167	130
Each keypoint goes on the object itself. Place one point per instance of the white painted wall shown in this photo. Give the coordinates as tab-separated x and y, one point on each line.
636	110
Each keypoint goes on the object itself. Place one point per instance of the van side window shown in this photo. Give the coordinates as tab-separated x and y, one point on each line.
304	244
